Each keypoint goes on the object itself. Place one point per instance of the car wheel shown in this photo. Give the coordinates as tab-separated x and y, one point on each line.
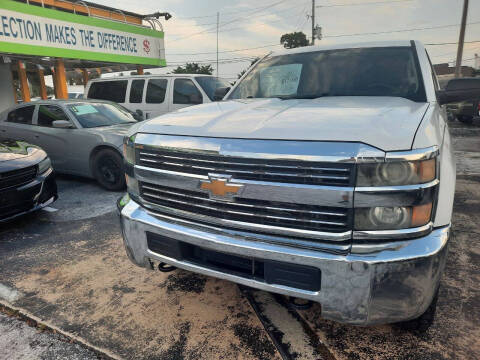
465	119
108	170
424	321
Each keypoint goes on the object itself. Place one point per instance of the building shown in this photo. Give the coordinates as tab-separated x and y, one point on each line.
56	37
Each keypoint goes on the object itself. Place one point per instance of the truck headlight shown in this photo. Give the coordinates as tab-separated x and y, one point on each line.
129	149
392	217
395	173
44	165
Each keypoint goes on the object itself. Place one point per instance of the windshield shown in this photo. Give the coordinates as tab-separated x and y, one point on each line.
209	84
91	115
388	71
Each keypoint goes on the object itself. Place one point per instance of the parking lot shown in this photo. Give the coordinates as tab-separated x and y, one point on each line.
65	267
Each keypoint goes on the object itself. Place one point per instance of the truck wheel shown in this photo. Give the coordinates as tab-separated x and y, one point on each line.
465	119
424	321
108	170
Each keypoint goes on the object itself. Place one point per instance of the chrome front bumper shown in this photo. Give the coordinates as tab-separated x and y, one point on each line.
382	284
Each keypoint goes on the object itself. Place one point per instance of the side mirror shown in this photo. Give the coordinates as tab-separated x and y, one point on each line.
139	112
220	93
62	124
458	90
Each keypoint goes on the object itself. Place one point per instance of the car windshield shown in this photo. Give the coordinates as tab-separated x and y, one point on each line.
91	115
209	84
383	71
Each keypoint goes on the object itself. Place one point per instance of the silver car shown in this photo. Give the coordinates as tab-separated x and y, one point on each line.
81	137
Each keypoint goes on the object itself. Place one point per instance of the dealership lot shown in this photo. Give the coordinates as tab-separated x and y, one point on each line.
66	267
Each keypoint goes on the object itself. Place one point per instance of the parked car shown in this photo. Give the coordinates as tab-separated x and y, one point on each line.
81	137
27	181
153	95
75	95
326	173
468	110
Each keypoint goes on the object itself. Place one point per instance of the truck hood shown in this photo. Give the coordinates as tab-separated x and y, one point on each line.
388	123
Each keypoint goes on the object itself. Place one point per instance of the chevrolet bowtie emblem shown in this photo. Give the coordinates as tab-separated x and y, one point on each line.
219	188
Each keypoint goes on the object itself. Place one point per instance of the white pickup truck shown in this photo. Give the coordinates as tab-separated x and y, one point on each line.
326	173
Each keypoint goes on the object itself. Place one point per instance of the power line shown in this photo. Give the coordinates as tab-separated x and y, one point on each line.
365	3
250	17
344	35
240	27
226	51
231	21
452	43
402	30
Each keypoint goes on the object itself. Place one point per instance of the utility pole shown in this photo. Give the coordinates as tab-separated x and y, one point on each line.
218	21
313	22
458	63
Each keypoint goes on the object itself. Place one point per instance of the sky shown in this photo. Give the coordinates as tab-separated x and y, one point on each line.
190	35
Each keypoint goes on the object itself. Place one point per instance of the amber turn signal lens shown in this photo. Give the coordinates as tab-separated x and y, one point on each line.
421	214
426	170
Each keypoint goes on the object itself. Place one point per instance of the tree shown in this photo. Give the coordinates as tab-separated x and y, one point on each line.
294	40
240	74
194	68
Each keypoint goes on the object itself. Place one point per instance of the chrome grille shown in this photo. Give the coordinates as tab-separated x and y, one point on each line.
17	177
269	170
249	211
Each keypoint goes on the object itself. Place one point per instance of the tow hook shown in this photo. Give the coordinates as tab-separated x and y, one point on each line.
300	304
163	267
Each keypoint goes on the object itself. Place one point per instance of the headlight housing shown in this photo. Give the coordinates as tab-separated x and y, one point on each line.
399	193
392	217
129	149
396	173
44	165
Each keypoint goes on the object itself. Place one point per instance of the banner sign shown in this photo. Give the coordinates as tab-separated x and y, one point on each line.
32	30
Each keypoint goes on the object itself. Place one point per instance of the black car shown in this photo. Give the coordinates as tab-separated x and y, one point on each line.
467	111
27	181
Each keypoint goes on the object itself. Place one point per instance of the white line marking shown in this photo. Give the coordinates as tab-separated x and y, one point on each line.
9	294
49	209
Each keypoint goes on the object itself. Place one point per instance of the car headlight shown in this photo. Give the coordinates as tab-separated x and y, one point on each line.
395	173
129	149
392	217
44	165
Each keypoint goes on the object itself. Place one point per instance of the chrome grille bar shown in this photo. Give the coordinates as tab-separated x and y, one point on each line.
245	211
274	170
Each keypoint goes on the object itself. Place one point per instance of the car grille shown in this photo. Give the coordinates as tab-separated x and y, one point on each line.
17	177
269	170
249	211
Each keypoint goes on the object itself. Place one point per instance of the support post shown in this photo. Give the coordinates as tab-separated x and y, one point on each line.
85	77
61	91
313	22
218	23
458	63
139	70
22	78
41	81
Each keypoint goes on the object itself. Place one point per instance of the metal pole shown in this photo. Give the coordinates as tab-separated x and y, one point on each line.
313	22
458	64
218	20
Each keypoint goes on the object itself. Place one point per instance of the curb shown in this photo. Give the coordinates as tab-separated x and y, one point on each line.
36	322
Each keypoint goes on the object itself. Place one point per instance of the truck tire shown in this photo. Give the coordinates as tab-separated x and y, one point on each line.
108	170
424	321
465	119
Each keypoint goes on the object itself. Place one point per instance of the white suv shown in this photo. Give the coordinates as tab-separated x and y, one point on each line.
154	95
